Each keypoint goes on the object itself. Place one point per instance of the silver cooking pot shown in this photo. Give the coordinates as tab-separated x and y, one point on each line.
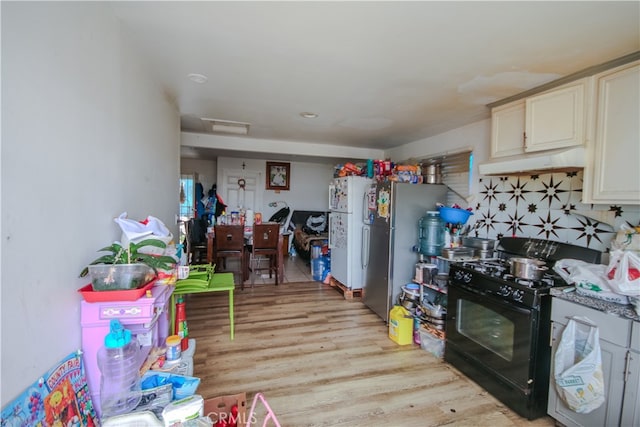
528	268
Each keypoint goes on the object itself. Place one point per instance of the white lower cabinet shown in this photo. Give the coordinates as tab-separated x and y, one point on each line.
615	333
630	405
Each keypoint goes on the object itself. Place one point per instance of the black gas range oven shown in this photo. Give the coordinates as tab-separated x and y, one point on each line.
498	326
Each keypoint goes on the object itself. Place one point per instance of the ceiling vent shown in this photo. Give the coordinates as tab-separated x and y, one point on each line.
226	126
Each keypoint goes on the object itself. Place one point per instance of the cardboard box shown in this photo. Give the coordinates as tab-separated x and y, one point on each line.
217	408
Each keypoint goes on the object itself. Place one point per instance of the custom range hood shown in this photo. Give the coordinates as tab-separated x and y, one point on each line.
547	161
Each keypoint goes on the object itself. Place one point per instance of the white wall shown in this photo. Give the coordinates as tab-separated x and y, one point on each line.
205	171
308	188
86	135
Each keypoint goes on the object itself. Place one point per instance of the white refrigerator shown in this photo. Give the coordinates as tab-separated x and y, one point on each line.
347	230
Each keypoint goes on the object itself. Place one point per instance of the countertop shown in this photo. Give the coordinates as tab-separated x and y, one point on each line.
624	311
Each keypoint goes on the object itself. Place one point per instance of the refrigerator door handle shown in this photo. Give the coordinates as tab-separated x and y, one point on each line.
365	247
332	191
365	207
330	229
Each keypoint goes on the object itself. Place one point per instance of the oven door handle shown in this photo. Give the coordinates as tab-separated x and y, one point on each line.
513	306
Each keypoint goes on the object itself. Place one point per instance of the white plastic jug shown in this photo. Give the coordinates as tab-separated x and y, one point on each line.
119	363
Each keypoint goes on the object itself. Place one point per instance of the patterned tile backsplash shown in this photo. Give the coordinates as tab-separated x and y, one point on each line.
547	206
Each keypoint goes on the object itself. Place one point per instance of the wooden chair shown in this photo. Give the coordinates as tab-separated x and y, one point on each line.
196	241
266	243
211	282
229	243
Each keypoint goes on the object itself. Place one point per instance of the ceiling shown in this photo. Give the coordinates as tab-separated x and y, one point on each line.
377	74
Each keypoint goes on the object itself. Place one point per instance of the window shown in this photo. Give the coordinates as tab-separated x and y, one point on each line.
187	203
187	194
456	174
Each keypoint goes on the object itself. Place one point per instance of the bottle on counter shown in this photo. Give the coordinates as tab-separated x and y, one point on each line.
181	328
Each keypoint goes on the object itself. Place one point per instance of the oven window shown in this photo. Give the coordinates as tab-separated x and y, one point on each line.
487	328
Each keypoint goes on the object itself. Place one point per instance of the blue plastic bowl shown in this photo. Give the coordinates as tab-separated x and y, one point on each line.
454	215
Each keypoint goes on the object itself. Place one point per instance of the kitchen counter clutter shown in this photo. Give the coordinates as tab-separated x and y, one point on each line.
620	310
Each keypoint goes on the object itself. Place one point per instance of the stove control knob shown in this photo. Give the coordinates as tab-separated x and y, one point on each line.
504	291
462	276
518	295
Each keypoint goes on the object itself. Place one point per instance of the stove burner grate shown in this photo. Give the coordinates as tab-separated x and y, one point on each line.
501	269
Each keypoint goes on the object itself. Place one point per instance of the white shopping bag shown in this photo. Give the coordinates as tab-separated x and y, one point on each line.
623	273
135	232
578	375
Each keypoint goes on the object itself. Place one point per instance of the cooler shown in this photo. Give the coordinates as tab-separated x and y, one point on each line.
147	318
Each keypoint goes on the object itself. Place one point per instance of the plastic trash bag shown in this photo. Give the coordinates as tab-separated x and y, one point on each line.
589	279
577	271
578	375
627	239
623	273
136	231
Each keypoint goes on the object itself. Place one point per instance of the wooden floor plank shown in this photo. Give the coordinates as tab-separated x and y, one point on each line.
321	360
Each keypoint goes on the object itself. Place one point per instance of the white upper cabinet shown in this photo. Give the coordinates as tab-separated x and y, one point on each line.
549	120
556	118
507	129
612	174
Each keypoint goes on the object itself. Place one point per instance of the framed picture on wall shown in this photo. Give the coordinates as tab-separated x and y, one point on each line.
278	176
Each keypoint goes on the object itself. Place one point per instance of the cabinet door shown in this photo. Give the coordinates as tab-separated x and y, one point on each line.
630	405
613	361
556	118
507	129
615	171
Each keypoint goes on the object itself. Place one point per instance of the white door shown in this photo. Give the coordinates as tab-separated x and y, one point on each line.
238	194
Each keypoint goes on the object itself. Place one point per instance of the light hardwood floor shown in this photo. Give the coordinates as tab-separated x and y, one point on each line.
321	360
